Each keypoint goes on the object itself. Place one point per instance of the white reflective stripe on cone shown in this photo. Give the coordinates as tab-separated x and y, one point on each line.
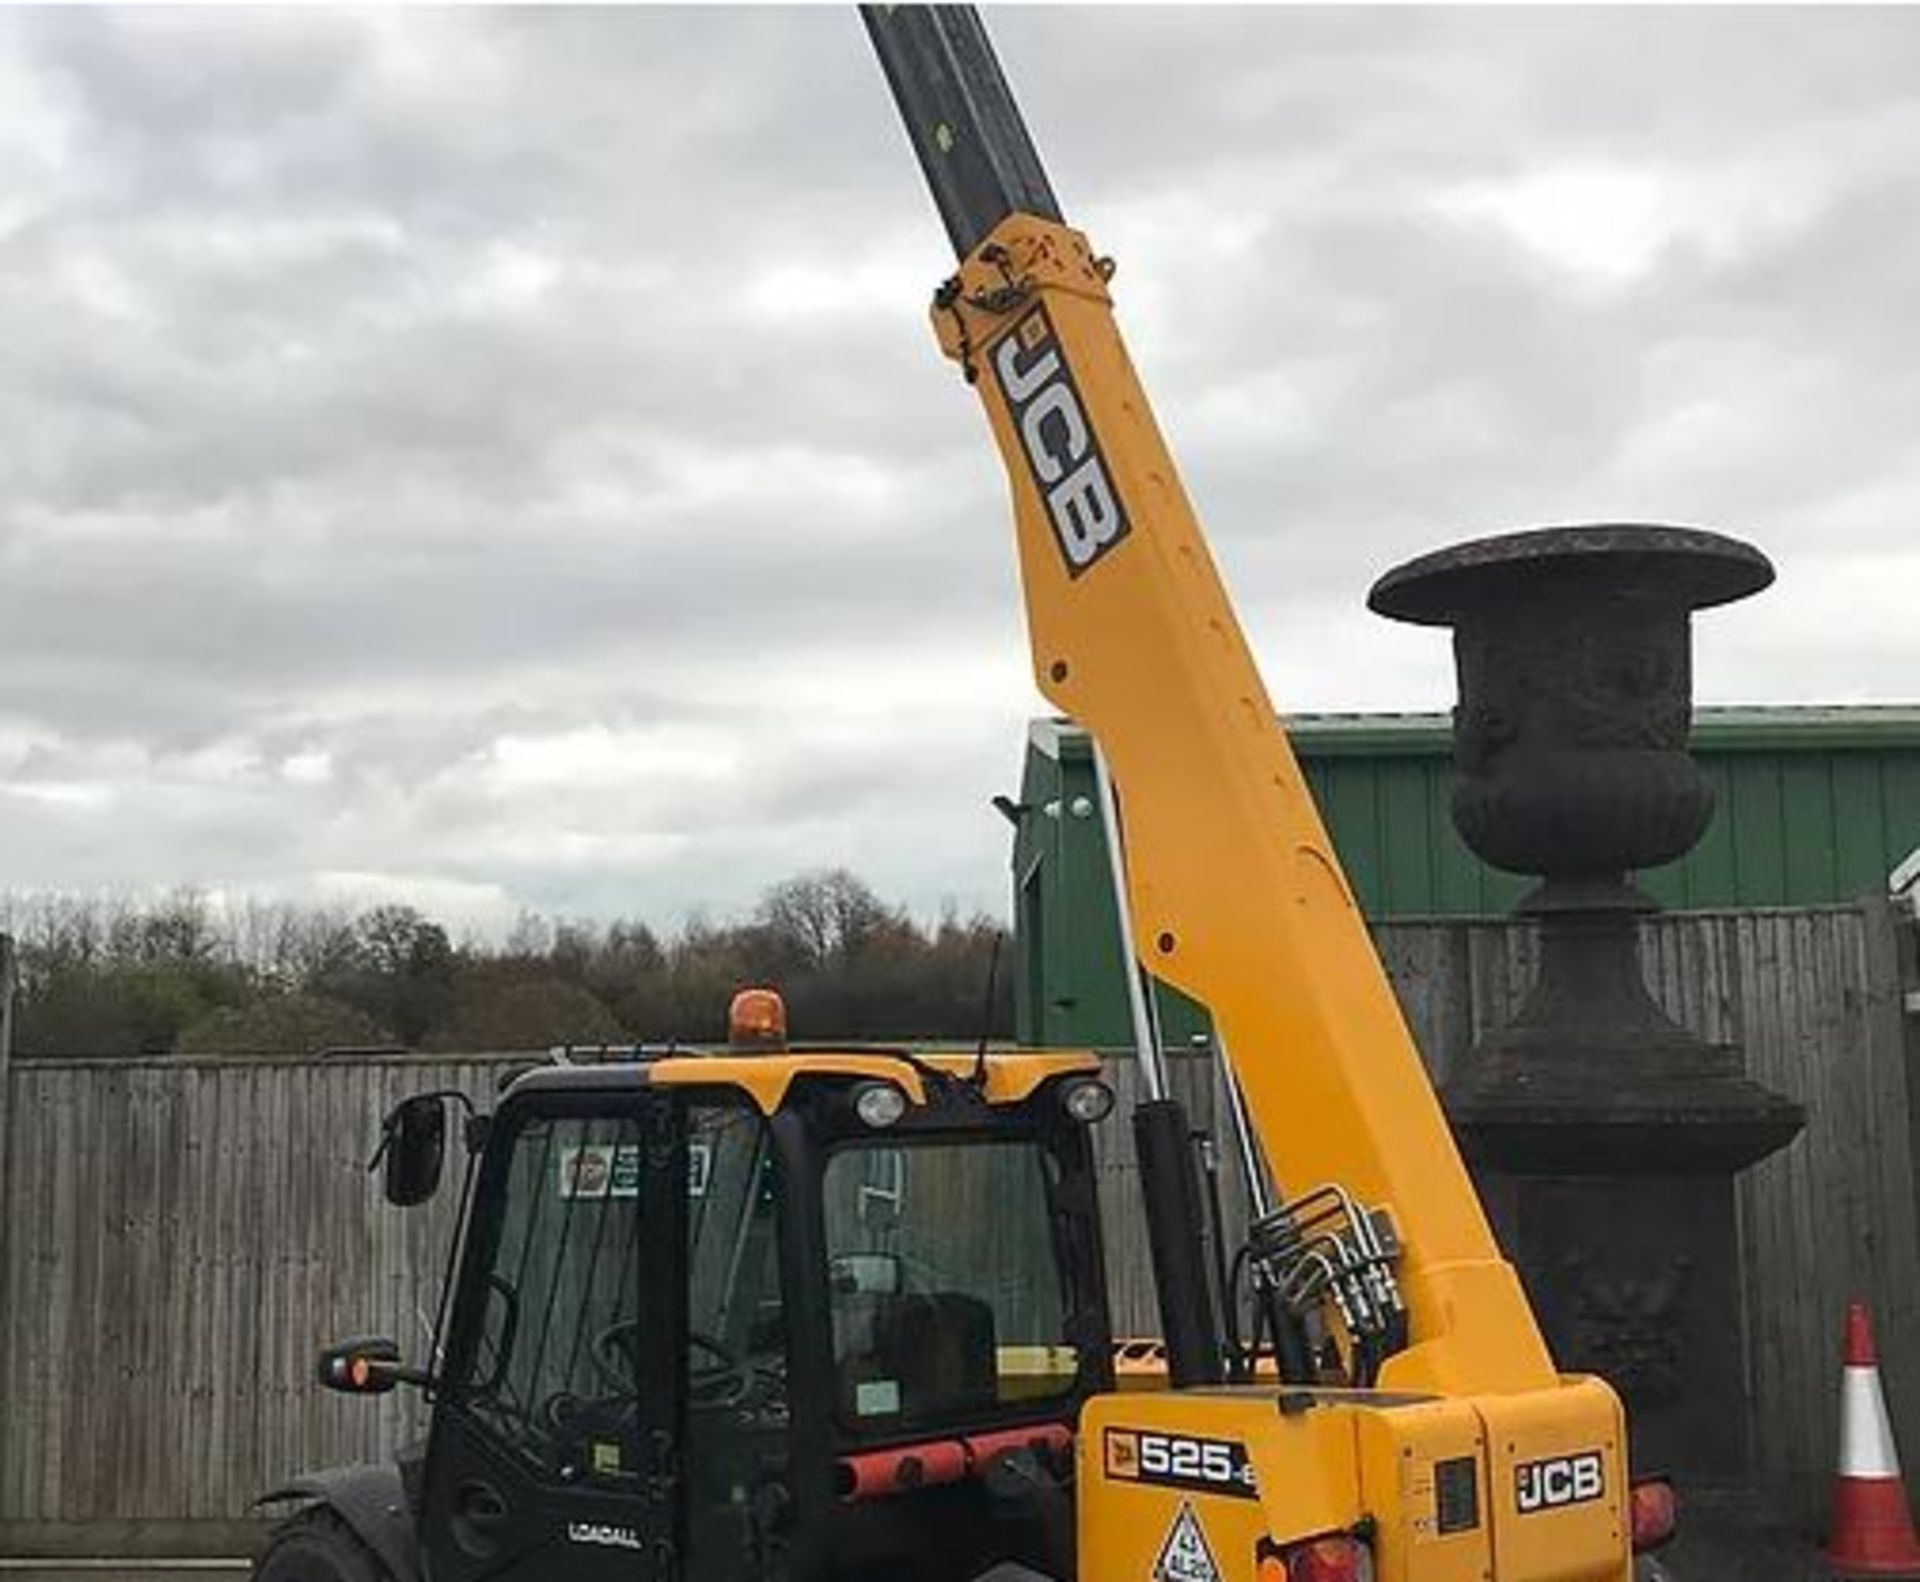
1866	1437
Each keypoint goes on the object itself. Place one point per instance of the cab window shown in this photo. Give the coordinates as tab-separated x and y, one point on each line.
552	1375
943	1283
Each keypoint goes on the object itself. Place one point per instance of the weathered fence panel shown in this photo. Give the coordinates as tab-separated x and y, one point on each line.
178	1236
1822	1017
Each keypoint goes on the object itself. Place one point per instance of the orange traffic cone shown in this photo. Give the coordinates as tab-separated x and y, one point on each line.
1872	1523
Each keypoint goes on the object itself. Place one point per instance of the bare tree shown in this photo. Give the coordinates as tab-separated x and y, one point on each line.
829	916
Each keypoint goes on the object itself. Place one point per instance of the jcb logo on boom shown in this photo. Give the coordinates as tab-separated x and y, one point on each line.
1062	453
1561	1480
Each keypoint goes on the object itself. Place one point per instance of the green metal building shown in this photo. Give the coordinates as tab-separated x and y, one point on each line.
1812	805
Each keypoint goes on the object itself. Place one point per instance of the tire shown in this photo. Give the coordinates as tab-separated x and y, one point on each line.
315	1545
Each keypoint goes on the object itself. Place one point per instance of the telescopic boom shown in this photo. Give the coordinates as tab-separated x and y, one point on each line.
1471	1458
1237	896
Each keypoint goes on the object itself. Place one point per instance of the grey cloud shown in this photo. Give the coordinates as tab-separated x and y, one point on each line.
390	385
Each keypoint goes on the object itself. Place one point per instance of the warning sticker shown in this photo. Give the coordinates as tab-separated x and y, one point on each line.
1185	1557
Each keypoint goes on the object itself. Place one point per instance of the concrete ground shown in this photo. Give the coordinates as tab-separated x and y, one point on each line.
1715	1545
1719	1558
1710	1556
1726	1538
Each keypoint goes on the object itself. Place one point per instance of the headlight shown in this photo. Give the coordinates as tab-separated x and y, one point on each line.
1087	1100
879	1104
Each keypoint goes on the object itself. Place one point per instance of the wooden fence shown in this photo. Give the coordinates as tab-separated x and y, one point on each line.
178	1235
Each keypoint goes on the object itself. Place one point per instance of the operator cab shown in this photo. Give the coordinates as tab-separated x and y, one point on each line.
795	1314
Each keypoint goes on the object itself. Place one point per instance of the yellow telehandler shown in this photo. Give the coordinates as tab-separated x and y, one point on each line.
773	1313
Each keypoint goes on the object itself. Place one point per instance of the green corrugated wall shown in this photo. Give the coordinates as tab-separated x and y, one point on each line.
1811	805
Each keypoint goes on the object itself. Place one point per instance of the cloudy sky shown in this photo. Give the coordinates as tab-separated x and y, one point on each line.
498	459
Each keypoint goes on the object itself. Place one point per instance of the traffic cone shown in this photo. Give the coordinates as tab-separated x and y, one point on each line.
1872	1522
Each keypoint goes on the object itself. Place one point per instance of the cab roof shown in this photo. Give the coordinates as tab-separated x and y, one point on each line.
765	1077
1010	1078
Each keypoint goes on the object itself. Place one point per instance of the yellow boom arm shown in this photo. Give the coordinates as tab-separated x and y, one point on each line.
1237	896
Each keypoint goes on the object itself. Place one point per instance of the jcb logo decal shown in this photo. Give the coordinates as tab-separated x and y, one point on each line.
1561	1480
1062	453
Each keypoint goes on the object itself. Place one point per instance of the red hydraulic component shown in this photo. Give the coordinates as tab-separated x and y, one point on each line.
1052	1441
875	1474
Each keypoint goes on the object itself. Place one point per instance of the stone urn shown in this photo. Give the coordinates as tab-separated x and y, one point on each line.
1605	1137
1570	749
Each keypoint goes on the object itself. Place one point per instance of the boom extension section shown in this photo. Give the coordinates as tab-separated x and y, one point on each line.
965	128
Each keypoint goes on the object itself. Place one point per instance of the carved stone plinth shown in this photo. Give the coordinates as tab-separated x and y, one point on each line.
1635	1278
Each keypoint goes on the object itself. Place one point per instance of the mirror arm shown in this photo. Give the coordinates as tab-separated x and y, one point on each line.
403	1373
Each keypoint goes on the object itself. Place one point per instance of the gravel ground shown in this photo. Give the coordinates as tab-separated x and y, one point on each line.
1696	1558
1711	1552
1702	1564
1713	1546
121	1571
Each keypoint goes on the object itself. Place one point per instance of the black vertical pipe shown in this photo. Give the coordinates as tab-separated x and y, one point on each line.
1176	1240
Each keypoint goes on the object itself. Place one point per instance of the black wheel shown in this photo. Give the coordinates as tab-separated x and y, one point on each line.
315	1545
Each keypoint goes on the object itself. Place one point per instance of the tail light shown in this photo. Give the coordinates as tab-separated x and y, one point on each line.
1319	1560
1655	1513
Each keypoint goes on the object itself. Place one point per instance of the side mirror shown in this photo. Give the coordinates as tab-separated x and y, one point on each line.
413	1146
366	1366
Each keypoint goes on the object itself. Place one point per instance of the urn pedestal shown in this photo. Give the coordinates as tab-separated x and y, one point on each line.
1604	1135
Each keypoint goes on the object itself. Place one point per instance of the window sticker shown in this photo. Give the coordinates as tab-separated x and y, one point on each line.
586	1171
877	1397
600	1170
